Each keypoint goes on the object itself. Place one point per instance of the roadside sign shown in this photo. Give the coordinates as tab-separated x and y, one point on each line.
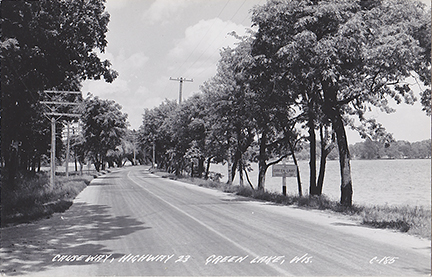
284	170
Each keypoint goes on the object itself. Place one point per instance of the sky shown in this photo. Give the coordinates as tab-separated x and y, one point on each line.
151	41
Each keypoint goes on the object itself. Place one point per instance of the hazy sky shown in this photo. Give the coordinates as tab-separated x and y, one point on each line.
150	41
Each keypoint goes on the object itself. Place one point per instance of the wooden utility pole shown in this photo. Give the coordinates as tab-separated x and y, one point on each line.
53	149
154	155
181	80
52	105
67	150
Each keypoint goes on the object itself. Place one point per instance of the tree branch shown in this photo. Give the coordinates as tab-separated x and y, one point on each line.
278	160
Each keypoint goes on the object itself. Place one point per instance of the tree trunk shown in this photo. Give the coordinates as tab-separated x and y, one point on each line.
240	170
332	110
247	178
39	164
344	163
200	167
261	175
103	161
321	174
323	161
312	158
236	161
230	180
207	168
33	164
97	166
299	185
262	165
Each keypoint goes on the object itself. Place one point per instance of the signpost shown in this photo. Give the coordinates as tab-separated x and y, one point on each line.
284	170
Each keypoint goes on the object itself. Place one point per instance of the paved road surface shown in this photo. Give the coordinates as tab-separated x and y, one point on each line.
132	223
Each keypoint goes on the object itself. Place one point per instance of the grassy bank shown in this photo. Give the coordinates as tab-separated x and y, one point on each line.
33	198
412	220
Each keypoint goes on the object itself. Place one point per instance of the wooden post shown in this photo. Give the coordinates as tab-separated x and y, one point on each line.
284	185
154	155
53	142
67	151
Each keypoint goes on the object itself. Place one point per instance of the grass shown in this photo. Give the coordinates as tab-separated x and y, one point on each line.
413	220
33	198
407	219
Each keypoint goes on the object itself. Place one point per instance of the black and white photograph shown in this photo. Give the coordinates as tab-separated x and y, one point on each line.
215	138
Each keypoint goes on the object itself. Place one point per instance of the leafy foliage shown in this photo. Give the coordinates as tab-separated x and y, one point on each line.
103	127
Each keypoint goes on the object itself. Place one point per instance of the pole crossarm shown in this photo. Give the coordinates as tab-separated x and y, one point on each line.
63	114
181	79
62	92
59	103
56	107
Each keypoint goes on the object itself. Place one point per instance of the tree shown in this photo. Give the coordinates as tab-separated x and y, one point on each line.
78	147
230	110
299	84
273	117
327	139
45	45
154	133
358	55
187	130
104	125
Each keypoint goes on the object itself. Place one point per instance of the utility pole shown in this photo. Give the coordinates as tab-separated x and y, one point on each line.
181	80
67	150
134	146
154	155
54	112
53	149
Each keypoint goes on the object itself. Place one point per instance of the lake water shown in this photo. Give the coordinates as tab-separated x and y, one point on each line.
375	182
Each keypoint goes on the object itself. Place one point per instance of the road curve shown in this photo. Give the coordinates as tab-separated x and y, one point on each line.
133	223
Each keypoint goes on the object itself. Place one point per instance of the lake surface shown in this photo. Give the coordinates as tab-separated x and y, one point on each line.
375	182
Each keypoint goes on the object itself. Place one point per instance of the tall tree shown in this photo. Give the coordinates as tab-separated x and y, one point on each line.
104	125
187	129
231	108
154	133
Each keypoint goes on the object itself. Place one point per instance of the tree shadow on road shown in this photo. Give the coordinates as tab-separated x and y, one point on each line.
79	231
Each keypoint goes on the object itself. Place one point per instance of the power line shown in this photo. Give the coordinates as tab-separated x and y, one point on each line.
202	38
212	42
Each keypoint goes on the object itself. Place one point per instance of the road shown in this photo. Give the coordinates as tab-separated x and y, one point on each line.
132	223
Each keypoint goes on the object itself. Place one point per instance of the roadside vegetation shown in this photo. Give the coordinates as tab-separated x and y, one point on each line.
33	197
415	221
